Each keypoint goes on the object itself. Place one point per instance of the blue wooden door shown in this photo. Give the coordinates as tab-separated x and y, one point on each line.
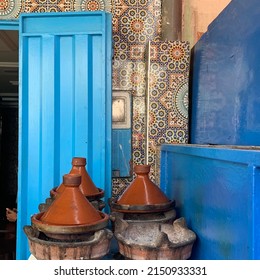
65	105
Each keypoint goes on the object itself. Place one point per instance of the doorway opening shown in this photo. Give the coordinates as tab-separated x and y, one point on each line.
9	96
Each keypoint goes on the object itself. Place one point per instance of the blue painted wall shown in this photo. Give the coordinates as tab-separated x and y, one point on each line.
216	190
225	94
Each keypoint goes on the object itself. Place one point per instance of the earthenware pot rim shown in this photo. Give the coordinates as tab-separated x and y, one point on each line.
69	229
148	208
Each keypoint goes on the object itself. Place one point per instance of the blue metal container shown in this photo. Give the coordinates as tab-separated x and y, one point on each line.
65	105
217	191
225	97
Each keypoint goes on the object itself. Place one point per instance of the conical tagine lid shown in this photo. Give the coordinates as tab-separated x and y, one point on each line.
87	186
142	194
71	207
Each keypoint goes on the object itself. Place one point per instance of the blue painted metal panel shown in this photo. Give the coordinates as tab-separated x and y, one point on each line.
216	190
65	105
225	83
77	23
122	152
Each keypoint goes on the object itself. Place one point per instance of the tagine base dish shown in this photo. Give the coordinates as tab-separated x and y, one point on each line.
150	241
43	248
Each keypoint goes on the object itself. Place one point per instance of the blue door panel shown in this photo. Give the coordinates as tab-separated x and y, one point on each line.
65	105
69	23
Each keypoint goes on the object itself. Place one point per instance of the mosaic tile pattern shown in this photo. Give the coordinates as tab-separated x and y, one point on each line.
93	5
168	102
60	5
42	6
135	22
37	6
9	9
130	75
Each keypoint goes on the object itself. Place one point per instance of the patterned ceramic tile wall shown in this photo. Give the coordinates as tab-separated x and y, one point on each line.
168	97
135	22
10	8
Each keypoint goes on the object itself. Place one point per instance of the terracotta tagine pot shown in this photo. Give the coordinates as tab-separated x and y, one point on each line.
70	213
87	186
142	195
